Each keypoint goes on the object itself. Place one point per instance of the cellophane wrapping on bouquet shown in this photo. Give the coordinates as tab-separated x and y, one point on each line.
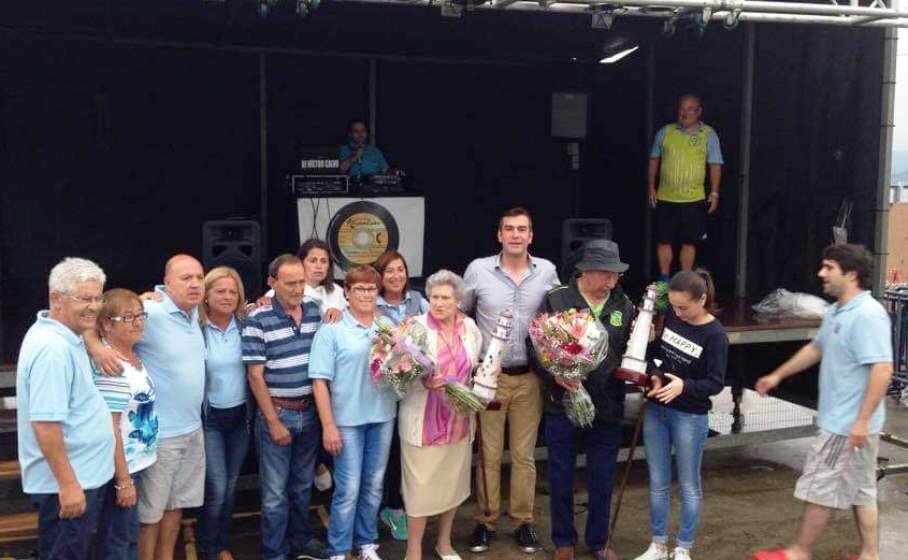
398	355
570	344
462	400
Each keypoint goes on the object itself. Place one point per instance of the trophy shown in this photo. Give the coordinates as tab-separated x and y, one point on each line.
485	381
633	365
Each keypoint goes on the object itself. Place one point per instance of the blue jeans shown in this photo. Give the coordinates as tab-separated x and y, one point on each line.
118	531
69	539
226	443
285	476
359	473
665	429
602	442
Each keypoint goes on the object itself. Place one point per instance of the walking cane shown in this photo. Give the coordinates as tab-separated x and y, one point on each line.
627	473
487	511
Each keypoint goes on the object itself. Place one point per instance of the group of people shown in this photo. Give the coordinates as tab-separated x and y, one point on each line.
133	408
161	390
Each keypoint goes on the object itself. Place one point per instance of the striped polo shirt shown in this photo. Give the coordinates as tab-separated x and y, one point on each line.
271	337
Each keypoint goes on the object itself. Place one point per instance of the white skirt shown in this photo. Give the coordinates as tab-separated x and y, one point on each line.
436	478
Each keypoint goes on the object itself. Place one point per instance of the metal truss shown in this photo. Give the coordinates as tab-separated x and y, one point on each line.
728	12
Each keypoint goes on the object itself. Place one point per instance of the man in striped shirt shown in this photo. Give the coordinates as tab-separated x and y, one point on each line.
277	339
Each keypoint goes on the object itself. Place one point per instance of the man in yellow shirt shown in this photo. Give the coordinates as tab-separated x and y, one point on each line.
681	154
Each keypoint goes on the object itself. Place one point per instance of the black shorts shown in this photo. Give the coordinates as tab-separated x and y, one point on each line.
682	222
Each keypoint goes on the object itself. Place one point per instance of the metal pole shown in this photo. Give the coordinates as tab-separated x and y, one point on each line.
649	126
881	221
747	102
373	104
263	151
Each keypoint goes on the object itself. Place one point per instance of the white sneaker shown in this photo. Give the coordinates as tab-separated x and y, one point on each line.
681	553
368	552
654	552
338	557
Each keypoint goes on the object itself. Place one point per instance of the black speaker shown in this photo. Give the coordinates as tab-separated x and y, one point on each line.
575	232
237	244
569	115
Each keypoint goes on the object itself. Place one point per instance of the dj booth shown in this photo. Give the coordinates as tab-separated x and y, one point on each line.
361	218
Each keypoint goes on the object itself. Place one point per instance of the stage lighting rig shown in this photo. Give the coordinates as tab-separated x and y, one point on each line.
302	8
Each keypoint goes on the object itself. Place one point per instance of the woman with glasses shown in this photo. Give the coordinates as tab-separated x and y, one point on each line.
226	410
357	416
130	397
396	301
436	448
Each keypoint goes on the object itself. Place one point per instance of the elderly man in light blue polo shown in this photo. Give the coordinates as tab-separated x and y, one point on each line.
66	439
173	351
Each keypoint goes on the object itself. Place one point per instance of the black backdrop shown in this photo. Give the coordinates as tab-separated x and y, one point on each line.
125	125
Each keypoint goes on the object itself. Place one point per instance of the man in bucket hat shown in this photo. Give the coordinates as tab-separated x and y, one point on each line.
594	288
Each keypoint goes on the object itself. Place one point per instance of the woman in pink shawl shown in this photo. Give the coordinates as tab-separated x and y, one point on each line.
436	443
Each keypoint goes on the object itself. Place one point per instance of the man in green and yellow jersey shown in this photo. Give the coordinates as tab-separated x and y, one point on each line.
681	154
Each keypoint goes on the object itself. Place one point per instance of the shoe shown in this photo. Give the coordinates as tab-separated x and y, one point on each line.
396	520
368	552
564	553
527	539
773	554
681	554
313	550
654	552
322	482
606	554
441	556
481	538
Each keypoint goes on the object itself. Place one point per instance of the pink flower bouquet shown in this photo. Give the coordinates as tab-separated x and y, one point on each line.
398	356
571	344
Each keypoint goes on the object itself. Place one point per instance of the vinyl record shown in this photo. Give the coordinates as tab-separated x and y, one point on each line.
360	232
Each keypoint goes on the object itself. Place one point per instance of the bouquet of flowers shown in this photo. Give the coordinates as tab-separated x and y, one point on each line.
569	345
398	355
462	400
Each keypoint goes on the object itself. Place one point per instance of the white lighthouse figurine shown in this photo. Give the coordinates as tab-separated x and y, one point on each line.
633	365
485	381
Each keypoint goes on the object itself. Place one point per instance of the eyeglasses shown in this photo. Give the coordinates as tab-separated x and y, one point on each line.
364	290
86	300
129	317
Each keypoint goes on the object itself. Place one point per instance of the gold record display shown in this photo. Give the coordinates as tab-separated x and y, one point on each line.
360	232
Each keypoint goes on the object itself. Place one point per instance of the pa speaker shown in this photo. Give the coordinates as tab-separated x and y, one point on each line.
575	232
569	115
237	244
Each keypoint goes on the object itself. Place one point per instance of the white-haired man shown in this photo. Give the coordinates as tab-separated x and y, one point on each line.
66	439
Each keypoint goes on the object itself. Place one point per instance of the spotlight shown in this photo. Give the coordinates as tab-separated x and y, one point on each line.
265	7
618	56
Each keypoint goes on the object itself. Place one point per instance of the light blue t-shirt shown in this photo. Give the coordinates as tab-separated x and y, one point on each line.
372	163
54	384
173	350
340	354
852	338
226	382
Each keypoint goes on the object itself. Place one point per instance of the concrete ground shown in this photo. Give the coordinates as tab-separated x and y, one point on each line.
748	505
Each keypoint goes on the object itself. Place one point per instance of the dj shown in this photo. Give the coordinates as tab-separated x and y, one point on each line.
359	158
